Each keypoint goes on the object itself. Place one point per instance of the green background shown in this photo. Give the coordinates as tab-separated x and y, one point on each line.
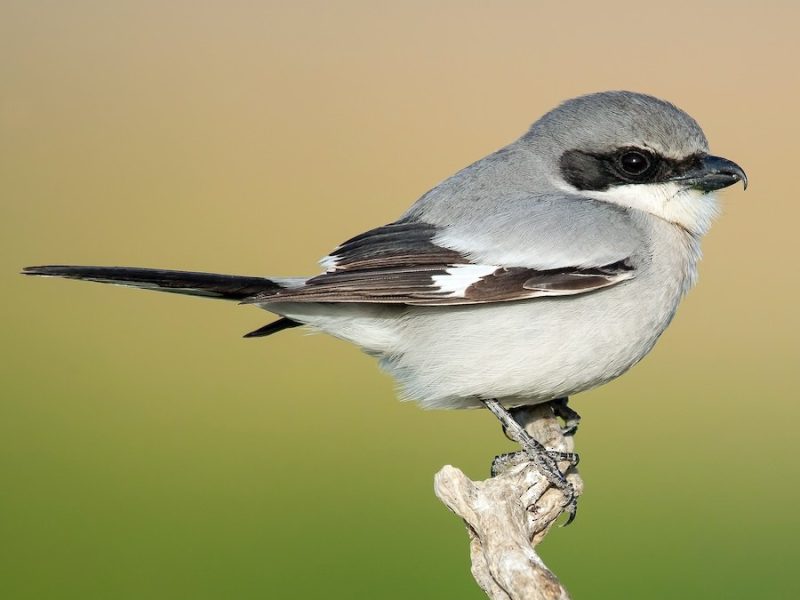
147	451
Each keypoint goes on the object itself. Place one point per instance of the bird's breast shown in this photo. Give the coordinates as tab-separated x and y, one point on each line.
537	350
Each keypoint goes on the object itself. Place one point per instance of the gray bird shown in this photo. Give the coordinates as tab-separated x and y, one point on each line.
544	269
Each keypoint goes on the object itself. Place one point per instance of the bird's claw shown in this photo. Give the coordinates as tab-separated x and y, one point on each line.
559	481
546	461
549	468
503	462
573	458
570	417
547	464
571	508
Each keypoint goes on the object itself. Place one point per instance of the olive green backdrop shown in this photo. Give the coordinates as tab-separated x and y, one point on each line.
148	452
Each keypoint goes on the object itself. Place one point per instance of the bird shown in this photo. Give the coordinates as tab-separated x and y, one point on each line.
545	269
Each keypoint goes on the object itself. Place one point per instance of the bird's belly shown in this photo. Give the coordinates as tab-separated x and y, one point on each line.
526	352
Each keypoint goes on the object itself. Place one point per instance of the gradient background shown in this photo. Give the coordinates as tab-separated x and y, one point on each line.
147	451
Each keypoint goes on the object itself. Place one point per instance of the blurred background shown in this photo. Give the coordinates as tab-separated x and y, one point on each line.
147	451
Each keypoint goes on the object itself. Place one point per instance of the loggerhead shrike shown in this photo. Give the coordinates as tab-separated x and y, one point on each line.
544	269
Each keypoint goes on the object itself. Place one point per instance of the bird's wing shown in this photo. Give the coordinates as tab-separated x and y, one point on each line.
545	231
403	263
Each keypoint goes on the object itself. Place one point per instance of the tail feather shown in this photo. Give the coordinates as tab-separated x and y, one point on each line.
210	285
274	327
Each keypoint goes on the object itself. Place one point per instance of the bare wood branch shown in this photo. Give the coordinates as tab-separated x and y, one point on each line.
508	515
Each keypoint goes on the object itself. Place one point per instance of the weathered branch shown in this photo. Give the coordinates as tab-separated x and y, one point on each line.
508	515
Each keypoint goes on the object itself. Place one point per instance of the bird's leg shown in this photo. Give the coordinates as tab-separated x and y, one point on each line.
571	421
541	457
571	418
560	410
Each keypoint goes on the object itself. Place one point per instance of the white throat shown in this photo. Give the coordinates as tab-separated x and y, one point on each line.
691	209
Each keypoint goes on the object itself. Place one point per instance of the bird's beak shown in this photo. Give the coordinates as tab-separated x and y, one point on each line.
712	173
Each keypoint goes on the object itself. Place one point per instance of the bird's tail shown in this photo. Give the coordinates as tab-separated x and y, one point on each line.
210	285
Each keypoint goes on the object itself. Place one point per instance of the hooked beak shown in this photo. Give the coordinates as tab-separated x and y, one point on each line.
712	173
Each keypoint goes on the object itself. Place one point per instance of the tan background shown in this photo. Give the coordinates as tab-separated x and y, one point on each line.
146	451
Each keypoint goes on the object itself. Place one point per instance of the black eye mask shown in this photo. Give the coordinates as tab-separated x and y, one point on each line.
624	166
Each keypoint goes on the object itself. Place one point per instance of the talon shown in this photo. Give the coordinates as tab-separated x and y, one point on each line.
570	504
571	418
571	508
569	430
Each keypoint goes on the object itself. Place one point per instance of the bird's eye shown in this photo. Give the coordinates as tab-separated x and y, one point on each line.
635	162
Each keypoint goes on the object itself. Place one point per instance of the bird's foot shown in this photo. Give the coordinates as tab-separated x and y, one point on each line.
571	418
504	462
546	461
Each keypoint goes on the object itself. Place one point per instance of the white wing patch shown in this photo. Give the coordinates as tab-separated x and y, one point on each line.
329	262
459	277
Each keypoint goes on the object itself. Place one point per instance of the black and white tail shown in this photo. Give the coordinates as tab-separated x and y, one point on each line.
209	285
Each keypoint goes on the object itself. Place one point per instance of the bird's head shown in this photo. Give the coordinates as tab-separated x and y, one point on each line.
636	151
